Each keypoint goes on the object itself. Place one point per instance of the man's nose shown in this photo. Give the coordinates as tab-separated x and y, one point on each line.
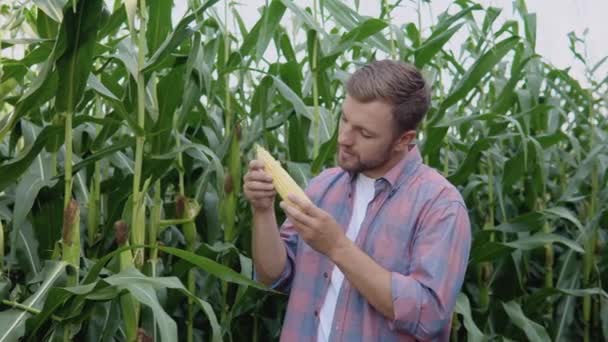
345	137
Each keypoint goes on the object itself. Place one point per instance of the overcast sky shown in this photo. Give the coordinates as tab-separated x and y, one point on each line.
555	18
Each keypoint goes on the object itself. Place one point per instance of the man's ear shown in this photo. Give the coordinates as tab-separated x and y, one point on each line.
404	140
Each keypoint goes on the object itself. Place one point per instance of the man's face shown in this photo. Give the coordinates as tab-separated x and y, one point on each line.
366	139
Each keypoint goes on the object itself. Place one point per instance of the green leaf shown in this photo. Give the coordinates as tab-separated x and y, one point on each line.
478	70
463	307
131	9
104	322
12	321
604	317
326	153
541	239
218	270
459	120
159	22
41	90
470	163
269	23
360	33
13	169
52	8
181	32
434	44
304	16
446	20
79	31
533	330
293	98
348	18
564	213
26	249
143	289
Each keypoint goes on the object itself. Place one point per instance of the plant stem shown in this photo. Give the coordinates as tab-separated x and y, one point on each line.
180	164
191	289
315	88
94	193
154	227
67	196
21	307
392	34
1	248
136	222
592	237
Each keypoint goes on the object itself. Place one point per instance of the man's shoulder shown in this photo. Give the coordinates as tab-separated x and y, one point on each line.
438	186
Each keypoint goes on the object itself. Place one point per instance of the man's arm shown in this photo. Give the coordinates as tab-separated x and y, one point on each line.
269	255
418	303
366	275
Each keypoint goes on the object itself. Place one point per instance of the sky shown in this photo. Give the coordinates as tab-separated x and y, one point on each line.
555	19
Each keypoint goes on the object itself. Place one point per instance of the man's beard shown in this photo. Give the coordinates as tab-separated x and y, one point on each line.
356	165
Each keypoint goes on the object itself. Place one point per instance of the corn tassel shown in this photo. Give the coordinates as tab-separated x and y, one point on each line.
282	181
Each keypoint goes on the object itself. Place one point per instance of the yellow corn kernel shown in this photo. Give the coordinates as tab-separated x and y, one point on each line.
281	180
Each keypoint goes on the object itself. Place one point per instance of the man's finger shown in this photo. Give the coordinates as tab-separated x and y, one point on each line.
262	194
256	164
306	206
296	215
255	185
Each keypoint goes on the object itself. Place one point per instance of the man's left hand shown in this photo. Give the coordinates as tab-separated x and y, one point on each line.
317	227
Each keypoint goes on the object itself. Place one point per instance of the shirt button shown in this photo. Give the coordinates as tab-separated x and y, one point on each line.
325	275
316	313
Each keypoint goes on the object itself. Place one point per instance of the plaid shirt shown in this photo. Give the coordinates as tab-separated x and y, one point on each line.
416	227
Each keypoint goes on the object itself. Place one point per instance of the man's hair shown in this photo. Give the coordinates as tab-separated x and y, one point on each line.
398	84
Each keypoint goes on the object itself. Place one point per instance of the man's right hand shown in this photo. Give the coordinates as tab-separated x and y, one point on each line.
258	187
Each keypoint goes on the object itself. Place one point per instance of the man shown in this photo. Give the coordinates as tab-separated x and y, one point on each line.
381	254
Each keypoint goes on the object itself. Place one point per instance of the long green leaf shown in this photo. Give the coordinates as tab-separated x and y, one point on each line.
533	330
479	69
79	30
218	270
12	322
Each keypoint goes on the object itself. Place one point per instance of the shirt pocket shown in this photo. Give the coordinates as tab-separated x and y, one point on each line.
391	247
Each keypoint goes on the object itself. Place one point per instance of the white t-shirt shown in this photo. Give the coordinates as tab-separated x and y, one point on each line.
364	193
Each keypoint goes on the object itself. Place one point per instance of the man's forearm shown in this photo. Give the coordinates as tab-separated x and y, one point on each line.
367	276
269	254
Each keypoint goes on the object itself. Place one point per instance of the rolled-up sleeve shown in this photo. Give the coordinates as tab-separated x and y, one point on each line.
290	240
424	298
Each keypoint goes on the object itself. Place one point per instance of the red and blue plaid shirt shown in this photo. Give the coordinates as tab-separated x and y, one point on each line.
416	227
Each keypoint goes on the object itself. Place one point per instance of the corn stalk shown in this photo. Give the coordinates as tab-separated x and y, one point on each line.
315	87
94	212
138	205
593	233
129	306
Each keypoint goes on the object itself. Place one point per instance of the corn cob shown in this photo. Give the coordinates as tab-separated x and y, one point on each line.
282	181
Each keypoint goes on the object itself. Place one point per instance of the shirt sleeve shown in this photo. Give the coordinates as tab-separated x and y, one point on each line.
290	240
423	299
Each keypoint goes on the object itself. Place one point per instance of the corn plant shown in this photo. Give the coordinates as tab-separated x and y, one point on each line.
124	135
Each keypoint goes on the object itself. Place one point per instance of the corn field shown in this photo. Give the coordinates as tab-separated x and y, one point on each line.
124	136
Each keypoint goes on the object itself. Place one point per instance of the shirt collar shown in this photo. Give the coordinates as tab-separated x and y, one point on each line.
402	170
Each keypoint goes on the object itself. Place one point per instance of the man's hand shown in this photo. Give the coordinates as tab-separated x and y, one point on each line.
258	186
317	227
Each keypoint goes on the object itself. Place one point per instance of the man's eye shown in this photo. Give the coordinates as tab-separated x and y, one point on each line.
365	135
